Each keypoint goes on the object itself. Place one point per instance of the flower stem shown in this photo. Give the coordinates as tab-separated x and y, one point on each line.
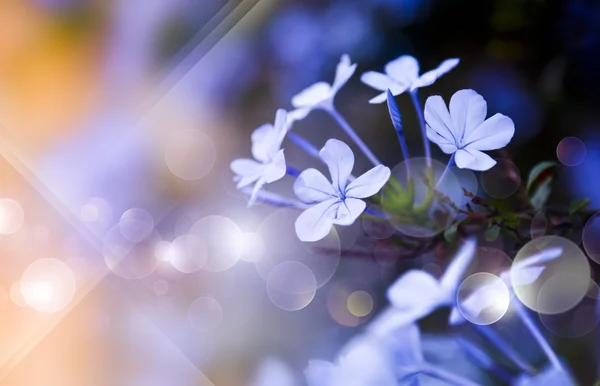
275	199
504	347
352	134
292	171
303	144
414	95
448	166
444	375
537	335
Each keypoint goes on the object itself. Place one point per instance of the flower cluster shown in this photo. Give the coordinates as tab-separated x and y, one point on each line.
389	352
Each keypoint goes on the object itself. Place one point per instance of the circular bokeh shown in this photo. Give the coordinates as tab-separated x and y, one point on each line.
433	209
377	228
11	216
47	285
563	282
291	285
350	303
502	180
571	151
591	237
574	323
189	154
223	240
557	220
205	314
386	254
136	224
483	298
128	259
188	253
282	244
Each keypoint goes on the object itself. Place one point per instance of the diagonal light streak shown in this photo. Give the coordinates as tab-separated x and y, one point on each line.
10	152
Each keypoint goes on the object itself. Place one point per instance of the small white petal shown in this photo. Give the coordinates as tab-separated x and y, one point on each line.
296	115
312	95
344	71
428	78
247	169
444	144
262	140
348	211
416	294
438	119
369	183
467	111
377	80
319	373
315	223
453	275
447	65
494	133
404	69
456	317
275	170
473	159
339	158
312	186
525	275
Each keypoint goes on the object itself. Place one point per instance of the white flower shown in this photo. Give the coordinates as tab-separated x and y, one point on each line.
417	293
523	272
269	162
336	202
464	130
403	74
321	94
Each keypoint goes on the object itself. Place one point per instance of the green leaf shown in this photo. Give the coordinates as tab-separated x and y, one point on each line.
492	233
578	205
539	174
450	232
541	194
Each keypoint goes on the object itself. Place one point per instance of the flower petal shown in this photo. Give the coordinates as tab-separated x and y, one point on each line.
453	275
315	223
312	95
248	170
369	183
416	294
438	120
344	71
473	159
467	111
377	80
319	372
296	115
339	158
494	133
349	211
404	69
262	138
312	186
276	169
430	77
447	146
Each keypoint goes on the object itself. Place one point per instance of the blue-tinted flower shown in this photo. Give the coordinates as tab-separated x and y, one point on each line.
339	201
321	94
268	164
523	272
402	74
371	359
464	131
417	293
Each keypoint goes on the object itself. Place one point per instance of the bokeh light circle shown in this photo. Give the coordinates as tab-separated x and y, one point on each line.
11	216
223	240
431	213
360	303
128	259
386	254
136	224
205	314
574	323
188	253
557	220
15	294
189	154
571	151
591	237
282	244
502	180
291	286
563	282
161	287
253	247
48	285
483	298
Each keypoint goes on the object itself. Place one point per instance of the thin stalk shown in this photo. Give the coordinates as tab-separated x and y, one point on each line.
352	134
292	171
505	348
446	170
414	96
303	144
